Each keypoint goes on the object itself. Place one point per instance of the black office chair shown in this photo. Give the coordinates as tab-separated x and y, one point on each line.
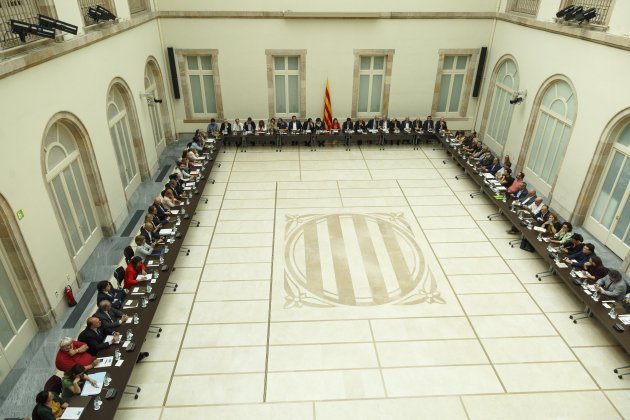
119	275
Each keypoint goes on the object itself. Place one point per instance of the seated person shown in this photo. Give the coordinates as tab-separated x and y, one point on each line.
579	258
250	125
237	127
594	269
149	235
360	125
543	214
335	125
563	234
573	245
161	210
73	380
503	167
170	201
294	124
143	250
551	225
417	124
111	318
517	183
157	220
406	125
521	194
94	336
493	167
192	156
612	285
373	124
49	406
528	199
308	126
72	352
441	125
429	124
394	125
347	125
282	126
319	124
148	218
261	127
107	291
226	127
197	142
213	127
506	179
134	268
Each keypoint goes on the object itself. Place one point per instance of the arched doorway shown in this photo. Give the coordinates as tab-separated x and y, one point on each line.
158	111
498	111
23	304
608	217
75	187
550	128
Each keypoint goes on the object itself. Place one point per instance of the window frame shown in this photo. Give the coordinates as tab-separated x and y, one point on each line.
387	77
469	74
146	3
271	88
191	116
513	4
609	11
84	5
44	7
123	145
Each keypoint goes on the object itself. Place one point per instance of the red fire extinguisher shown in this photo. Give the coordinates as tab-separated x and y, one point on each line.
69	296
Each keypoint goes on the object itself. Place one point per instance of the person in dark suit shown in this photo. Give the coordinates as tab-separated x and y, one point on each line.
282	125
441	125
157	220
494	166
406	125
384	124
347	125
295	124
150	237
249	125
94	336
417	124
319	124
309	125
111	318
543	215
360	125
107	292
428	124
226	127
373	124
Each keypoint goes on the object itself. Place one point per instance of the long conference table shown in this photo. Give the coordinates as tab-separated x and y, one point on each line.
319	139
597	308
121	375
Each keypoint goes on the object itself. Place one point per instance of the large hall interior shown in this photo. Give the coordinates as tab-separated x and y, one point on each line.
365	249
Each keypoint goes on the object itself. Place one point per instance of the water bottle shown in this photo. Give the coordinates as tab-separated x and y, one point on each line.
161	259
117	353
155	274
143	302
539	237
183	210
584	283
596	296
613	312
149	288
529	225
179	221
166	248
136	319
505	198
187	201
107	379
129	334
97	403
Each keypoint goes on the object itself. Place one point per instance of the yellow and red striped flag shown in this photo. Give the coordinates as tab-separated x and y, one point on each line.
327	108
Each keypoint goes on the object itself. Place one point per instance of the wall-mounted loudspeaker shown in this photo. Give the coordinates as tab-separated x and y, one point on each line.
173	67
482	64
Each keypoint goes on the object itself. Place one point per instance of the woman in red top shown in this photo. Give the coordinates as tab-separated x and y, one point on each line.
134	268
335	125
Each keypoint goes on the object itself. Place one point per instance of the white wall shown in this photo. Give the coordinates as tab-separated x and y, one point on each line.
330	45
330	5
76	83
599	75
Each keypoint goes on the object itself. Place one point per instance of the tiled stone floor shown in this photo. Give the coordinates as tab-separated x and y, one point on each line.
256	329
241	343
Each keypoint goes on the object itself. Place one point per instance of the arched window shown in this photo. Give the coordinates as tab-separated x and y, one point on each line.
506	83
120	132
554	123
151	89
609	218
66	178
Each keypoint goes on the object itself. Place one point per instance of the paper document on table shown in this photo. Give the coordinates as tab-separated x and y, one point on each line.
625	319
539	229
130	304
119	363
104	362
88	389
137	291
487	175
72	413
109	339
175	212
164	232
561	265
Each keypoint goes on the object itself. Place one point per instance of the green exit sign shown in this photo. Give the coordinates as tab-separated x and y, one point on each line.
20	214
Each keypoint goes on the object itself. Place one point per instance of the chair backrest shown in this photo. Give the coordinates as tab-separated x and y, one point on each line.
119	275
53	384
128	252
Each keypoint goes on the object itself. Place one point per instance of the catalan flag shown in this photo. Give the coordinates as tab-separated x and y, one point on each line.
327	108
